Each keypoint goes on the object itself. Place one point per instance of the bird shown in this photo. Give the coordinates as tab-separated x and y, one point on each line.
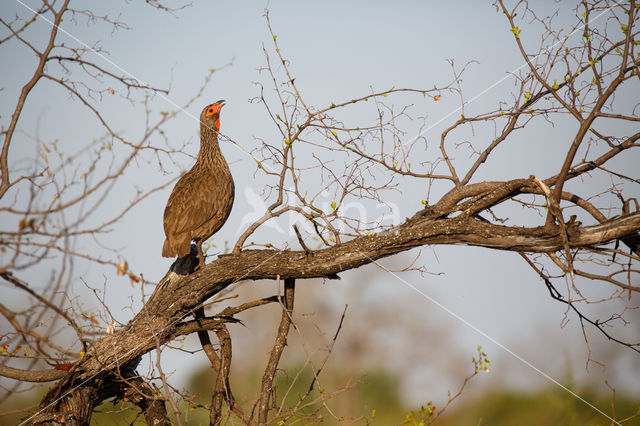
201	200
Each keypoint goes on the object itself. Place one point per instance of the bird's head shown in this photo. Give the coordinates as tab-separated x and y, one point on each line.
210	115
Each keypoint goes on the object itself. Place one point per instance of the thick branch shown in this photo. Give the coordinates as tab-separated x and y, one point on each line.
143	395
222	389
278	347
177	295
31	375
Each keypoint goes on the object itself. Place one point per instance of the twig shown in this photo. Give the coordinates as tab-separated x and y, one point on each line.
301	241
324	361
556	295
302	398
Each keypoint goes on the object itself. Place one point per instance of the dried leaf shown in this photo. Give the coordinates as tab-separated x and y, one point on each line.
63	367
111	328
122	268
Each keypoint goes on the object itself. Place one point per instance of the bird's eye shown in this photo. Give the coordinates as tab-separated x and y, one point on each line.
211	110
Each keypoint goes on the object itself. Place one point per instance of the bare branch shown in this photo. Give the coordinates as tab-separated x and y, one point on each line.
280	342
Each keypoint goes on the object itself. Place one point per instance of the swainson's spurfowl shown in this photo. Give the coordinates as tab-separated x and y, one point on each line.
201	201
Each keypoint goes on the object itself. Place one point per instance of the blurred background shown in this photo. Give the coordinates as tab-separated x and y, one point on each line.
407	338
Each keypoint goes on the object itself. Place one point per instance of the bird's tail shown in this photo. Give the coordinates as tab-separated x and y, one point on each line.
166	249
179	248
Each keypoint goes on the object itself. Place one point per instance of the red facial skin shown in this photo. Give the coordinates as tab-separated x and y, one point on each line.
214	109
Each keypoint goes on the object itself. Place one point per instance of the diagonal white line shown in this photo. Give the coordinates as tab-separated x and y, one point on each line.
486	336
129	74
167	99
170	101
510	74
117	362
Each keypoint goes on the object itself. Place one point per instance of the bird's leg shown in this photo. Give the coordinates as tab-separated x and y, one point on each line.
200	255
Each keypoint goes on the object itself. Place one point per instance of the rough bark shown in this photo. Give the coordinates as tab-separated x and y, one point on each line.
31	375
177	295
75	405
274	358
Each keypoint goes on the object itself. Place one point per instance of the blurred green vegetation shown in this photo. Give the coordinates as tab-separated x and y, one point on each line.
375	399
357	395
548	406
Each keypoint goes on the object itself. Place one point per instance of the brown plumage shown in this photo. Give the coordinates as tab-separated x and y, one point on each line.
201	201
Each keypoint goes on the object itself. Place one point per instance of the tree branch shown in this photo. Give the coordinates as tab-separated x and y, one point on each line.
37	74
177	295
31	375
278	347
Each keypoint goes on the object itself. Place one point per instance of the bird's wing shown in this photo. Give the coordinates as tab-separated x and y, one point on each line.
190	205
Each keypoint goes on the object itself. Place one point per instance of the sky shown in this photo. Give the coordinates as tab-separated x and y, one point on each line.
337	50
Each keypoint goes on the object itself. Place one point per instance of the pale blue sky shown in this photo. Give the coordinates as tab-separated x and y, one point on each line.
338	50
